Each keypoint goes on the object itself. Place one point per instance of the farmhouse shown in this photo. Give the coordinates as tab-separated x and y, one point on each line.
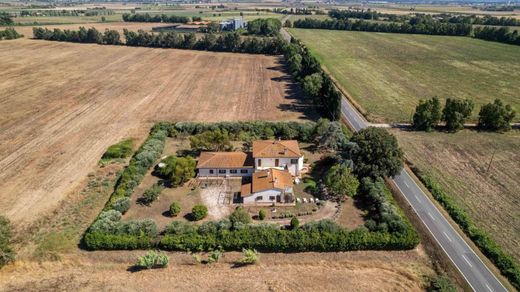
279	154
267	187
271	165
224	164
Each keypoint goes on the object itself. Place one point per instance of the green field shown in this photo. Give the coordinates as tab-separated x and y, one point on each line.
388	73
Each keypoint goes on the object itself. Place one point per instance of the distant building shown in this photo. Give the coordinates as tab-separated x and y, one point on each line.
279	154
224	164
233	24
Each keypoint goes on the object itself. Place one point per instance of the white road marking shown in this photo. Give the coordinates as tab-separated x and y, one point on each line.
467	261
489	288
431	216
445	234
406	184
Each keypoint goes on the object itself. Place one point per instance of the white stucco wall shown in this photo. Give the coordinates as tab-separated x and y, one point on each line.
206	172
294	169
252	199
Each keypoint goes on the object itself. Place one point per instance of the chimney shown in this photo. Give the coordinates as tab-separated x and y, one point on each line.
285	151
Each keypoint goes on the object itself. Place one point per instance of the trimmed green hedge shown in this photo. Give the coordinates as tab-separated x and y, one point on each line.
506	263
269	239
103	241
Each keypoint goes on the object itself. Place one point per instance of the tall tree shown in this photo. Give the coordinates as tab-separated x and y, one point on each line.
427	114
456	112
496	116
378	153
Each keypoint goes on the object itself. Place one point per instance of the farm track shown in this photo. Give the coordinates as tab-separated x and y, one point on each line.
63	104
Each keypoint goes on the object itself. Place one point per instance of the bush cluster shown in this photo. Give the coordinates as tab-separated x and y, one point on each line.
304	132
507	265
152	259
6	252
142	160
9	34
178	170
316	83
384	216
122	149
151	194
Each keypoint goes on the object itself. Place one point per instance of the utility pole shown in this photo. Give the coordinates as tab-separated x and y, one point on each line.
491	161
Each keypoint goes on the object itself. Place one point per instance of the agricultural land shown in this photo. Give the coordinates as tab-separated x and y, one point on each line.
64	104
461	164
387	74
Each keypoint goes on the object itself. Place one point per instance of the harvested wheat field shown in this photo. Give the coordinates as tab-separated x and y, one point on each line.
63	104
111	271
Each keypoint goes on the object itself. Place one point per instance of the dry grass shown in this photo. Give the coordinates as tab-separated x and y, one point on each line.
63	104
459	163
351	271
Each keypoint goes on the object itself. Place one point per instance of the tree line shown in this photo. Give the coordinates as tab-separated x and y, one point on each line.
9	34
495	116
146	17
421	18
317	85
430	28
225	42
5	19
497	34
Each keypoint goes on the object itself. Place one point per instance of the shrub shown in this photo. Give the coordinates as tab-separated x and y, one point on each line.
261	214
6	252
295	223
122	149
199	212
175	209
250	256
152	259
122	205
151	194
441	283
496	116
214	256
240	215
179	227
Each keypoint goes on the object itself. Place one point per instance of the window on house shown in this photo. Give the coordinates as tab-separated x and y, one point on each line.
259	198
233	171
277	162
211	171
294	161
243	171
272	198
259	162
222	171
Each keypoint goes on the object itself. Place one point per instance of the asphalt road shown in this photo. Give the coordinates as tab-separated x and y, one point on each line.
463	257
